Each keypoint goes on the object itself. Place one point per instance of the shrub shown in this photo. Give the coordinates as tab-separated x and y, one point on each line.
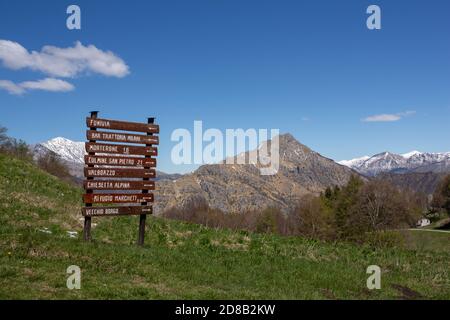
51	163
378	205
342	205
269	221
13	147
441	197
383	239
313	218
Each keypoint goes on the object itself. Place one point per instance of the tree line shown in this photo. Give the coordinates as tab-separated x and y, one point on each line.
49	161
359	211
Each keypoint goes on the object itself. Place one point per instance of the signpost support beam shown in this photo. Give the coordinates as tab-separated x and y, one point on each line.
87	220
142	217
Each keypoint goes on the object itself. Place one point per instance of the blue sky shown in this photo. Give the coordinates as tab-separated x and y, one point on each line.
311	68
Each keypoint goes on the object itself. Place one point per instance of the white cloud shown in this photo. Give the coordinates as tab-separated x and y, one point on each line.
388	117
383	118
11	87
47	84
63	62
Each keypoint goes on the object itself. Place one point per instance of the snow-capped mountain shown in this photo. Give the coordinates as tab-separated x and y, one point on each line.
354	162
411	154
68	150
414	161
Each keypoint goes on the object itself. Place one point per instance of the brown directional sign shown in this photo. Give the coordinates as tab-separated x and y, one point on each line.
115	211
121	125
118	185
121	137
118	197
119	173
120	149
120	161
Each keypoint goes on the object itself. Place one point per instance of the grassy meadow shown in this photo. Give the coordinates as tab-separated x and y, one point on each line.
187	261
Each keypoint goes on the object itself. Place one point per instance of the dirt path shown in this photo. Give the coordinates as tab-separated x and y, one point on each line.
430	230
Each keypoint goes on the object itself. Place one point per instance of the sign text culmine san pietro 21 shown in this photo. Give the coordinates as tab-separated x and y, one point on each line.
119	169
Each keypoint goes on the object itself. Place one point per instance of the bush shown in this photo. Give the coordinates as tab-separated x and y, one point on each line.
382	206
441	197
343	203
313	218
51	163
361	207
269	221
13	147
383	239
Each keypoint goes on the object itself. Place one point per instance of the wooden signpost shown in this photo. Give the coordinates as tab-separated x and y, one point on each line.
117	172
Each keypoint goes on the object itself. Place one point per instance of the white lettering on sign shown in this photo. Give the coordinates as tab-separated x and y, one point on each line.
105	148
120	198
131	198
116	161
103	198
134	138
107	185
101	211
115	136
122	185
102	172
99	123
97	160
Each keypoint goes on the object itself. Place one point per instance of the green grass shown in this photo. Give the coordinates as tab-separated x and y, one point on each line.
181	260
427	240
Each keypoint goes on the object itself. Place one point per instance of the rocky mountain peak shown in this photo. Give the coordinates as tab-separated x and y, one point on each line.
241	187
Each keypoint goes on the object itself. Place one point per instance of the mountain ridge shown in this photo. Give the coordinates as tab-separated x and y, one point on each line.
235	187
413	161
241	187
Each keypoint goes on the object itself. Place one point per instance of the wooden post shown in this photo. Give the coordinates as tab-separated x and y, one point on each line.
142	217
87	220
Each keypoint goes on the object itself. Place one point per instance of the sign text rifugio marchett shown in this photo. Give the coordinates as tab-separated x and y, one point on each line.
119	171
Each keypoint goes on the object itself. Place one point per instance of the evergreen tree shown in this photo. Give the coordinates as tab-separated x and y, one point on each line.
347	199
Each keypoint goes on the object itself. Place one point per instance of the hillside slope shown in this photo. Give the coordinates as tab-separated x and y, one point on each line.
425	182
182	260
